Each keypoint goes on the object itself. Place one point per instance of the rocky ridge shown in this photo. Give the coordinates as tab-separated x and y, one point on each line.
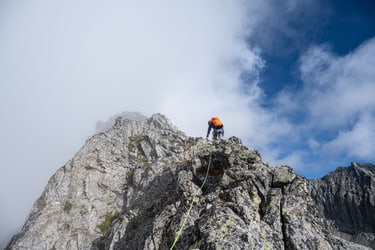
131	187
349	202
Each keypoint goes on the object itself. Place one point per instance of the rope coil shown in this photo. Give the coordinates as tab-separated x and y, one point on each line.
191	204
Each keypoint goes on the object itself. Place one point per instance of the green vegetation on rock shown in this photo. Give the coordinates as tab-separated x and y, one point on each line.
106	225
67	207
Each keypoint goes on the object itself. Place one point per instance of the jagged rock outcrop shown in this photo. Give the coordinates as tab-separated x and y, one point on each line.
135	185
349	202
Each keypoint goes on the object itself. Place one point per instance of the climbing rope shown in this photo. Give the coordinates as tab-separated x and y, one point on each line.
191	204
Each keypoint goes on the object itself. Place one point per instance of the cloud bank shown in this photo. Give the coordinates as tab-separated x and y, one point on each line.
66	65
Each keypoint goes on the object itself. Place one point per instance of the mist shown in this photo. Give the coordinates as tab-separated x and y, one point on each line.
67	65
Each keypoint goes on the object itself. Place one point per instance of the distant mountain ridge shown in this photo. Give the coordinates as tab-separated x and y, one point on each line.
136	184
349	201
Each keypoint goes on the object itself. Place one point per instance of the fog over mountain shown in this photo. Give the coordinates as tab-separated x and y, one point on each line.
289	79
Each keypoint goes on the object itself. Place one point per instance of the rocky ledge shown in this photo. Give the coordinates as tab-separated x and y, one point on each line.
143	184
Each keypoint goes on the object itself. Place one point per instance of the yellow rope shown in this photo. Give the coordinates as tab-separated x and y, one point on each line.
191	205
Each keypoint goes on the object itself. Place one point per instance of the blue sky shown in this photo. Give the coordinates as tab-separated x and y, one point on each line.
338	29
343	25
294	80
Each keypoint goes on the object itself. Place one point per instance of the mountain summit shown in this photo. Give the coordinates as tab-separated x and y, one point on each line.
143	184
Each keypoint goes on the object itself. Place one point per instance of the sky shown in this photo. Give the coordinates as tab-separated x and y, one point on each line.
293	79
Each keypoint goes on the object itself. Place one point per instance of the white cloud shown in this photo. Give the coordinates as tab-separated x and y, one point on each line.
339	88
334	113
66	65
357	142
313	144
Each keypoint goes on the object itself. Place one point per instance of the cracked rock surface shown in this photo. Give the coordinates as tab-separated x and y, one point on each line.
132	186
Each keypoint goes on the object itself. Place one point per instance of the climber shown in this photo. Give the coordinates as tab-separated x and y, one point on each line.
218	128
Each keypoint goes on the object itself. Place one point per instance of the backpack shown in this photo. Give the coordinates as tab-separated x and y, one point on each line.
216	121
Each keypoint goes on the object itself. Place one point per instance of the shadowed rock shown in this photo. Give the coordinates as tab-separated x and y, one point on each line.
346	198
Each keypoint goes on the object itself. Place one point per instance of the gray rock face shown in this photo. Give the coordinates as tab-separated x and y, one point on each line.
349	202
142	182
104	126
